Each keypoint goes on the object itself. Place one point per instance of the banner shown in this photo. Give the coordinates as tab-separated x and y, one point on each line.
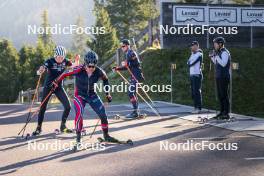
218	15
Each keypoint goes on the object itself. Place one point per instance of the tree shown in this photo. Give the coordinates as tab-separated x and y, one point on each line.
258	1
46	36
26	74
9	86
130	16
105	44
79	39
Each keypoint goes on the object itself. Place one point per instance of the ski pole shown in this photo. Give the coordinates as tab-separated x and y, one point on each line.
135	46
30	108
106	104
91	135
139	94
142	88
46	98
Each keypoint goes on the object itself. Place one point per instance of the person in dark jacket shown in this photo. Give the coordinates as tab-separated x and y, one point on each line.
133	65
222	59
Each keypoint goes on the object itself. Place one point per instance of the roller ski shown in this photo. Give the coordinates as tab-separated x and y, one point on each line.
36	133
132	116
219	118
110	140
63	129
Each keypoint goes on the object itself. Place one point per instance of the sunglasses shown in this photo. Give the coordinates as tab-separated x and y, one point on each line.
90	66
123	46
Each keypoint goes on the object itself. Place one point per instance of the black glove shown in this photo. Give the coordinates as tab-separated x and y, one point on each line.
212	53
114	69
108	98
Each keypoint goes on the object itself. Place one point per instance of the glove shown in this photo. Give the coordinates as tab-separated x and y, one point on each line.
212	53
114	69
41	70
108	98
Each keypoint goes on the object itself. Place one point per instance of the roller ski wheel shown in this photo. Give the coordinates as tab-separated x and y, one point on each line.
26	137
128	142
141	116
117	117
65	130
202	120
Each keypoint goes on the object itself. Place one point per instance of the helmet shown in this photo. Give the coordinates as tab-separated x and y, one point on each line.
219	40
125	42
59	51
90	58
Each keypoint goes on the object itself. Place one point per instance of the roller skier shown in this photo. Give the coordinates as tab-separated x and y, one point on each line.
132	63
54	67
86	76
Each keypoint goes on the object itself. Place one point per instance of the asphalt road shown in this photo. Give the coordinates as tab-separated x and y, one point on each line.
147	156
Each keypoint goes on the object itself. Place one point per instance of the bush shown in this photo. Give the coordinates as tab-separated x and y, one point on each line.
248	96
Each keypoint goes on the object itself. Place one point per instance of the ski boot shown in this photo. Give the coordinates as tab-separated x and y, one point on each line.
37	131
108	138
133	115
64	129
225	117
78	144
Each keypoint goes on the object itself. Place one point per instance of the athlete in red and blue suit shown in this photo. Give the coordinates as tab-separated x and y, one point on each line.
86	76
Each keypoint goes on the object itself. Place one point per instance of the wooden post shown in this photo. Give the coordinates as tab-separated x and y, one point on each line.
150	32
22	96
117	57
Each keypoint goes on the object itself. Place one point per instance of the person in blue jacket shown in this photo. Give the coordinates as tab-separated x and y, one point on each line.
133	65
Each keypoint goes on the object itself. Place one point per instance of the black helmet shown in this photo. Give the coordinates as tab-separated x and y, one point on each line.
90	58
125	42
219	40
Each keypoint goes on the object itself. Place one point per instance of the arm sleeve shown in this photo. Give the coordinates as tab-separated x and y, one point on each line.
74	72
105	82
132	59
199	58
47	64
223	60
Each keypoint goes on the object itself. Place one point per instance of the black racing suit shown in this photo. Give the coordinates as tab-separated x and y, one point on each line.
54	70
136	75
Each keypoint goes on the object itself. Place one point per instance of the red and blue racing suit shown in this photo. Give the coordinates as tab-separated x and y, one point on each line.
84	93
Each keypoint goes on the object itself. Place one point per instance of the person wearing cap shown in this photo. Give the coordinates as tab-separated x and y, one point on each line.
54	67
133	65
194	63
222	59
